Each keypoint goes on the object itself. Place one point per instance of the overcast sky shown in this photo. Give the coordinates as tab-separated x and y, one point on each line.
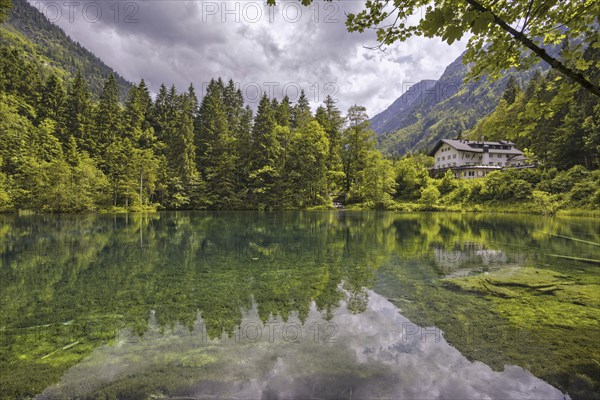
276	50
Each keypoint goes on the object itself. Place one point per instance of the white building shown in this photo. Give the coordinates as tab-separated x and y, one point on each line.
475	159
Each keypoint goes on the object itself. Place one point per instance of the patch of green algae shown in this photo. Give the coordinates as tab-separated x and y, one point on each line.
545	321
553	311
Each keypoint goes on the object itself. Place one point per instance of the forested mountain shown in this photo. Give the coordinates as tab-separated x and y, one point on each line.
444	110
393	117
53	51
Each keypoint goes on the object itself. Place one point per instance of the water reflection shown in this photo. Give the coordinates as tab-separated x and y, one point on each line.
375	354
77	291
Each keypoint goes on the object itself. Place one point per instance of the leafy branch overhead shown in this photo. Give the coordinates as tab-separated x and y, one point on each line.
502	33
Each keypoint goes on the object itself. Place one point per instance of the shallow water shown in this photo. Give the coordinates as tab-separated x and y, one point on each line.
299	305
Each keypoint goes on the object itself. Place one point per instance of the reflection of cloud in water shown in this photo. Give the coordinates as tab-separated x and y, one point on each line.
377	355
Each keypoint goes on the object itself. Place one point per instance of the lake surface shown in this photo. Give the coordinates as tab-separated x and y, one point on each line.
339	304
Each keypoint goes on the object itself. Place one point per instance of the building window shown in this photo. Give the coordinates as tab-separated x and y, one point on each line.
491	156
454	156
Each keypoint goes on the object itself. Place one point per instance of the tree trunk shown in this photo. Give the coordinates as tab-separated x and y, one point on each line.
141	185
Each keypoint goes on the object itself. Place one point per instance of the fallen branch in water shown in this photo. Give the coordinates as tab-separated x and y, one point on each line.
575	258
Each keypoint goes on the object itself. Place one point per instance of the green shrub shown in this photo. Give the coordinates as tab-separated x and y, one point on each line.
429	196
503	186
563	181
545	203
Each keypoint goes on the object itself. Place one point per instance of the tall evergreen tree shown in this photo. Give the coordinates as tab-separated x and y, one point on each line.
331	119
358	141
108	119
79	111
216	148
511	91
266	151
18	75
244	151
301	113
283	114
52	105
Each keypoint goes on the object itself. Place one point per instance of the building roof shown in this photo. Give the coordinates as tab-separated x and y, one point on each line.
518	157
475	146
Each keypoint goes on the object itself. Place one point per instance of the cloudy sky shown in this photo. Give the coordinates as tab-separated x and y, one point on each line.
272	49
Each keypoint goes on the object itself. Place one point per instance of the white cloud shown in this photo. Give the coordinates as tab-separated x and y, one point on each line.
178	42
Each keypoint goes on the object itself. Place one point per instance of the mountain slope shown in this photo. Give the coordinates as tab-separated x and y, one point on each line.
445	110
29	30
392	117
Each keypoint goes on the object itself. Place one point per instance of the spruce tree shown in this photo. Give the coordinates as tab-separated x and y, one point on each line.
511	91
358	140
283	112
79	111
301	113
52	105
108	119
266	151
216	149
331	119
244	152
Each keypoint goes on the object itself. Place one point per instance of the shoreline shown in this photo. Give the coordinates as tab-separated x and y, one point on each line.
398	208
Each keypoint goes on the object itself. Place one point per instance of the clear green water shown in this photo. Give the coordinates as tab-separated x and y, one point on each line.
299	305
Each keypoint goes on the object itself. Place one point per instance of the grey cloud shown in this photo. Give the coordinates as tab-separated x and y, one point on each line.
187	41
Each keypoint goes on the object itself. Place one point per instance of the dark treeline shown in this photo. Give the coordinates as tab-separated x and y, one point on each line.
62	151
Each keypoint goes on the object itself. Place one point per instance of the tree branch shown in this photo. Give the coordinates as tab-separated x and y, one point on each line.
575	76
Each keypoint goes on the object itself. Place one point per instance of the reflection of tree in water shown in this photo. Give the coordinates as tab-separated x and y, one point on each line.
80	279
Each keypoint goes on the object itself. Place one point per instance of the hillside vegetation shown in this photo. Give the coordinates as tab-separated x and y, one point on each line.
63	150
47	45
446	109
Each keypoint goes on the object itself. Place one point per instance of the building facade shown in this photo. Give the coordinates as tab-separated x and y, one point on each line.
474	159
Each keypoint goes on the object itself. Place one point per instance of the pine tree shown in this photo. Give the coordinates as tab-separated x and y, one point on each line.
358	141
244	152
283	112
79	111
234	107
216	148
161	115
52	105
19	76
332	121
265	156
108	119
71	153
301	113
511	91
